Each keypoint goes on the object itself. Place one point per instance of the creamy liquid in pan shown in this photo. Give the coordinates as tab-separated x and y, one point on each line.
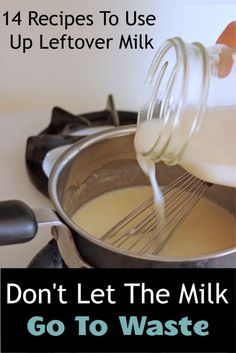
207	229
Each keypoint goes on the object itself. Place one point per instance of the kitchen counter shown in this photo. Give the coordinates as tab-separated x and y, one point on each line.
15	183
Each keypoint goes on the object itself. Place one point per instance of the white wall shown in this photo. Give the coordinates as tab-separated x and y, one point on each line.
204	20
81	80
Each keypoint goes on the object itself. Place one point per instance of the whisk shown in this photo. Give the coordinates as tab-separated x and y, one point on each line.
143	231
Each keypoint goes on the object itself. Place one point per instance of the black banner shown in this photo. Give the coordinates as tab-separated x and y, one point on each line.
118	310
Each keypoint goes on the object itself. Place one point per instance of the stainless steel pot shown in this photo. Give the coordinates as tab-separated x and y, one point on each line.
100	163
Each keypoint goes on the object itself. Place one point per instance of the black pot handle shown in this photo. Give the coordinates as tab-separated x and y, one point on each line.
47	257
18	223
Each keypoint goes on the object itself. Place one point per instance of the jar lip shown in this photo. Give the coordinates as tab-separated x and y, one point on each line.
179	45
156	73
170	108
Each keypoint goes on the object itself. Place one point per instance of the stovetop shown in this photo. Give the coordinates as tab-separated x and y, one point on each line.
65	129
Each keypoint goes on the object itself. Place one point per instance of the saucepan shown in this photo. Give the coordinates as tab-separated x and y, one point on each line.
103	162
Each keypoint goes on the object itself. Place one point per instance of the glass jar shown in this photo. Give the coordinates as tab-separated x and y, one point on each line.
188	113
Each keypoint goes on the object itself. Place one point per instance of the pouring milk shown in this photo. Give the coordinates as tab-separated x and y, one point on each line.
188	113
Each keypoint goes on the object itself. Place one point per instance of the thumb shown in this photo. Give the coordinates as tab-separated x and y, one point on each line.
228	38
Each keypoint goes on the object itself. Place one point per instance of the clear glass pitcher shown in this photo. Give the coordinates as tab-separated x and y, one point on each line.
188	113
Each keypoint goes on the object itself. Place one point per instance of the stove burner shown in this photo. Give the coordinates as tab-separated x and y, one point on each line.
65	129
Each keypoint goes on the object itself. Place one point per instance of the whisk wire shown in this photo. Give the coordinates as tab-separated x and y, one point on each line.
143	231
178	215
174	200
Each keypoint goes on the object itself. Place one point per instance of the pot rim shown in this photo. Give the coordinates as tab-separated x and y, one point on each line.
60	164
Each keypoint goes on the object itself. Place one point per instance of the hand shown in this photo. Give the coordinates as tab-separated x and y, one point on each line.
227	37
